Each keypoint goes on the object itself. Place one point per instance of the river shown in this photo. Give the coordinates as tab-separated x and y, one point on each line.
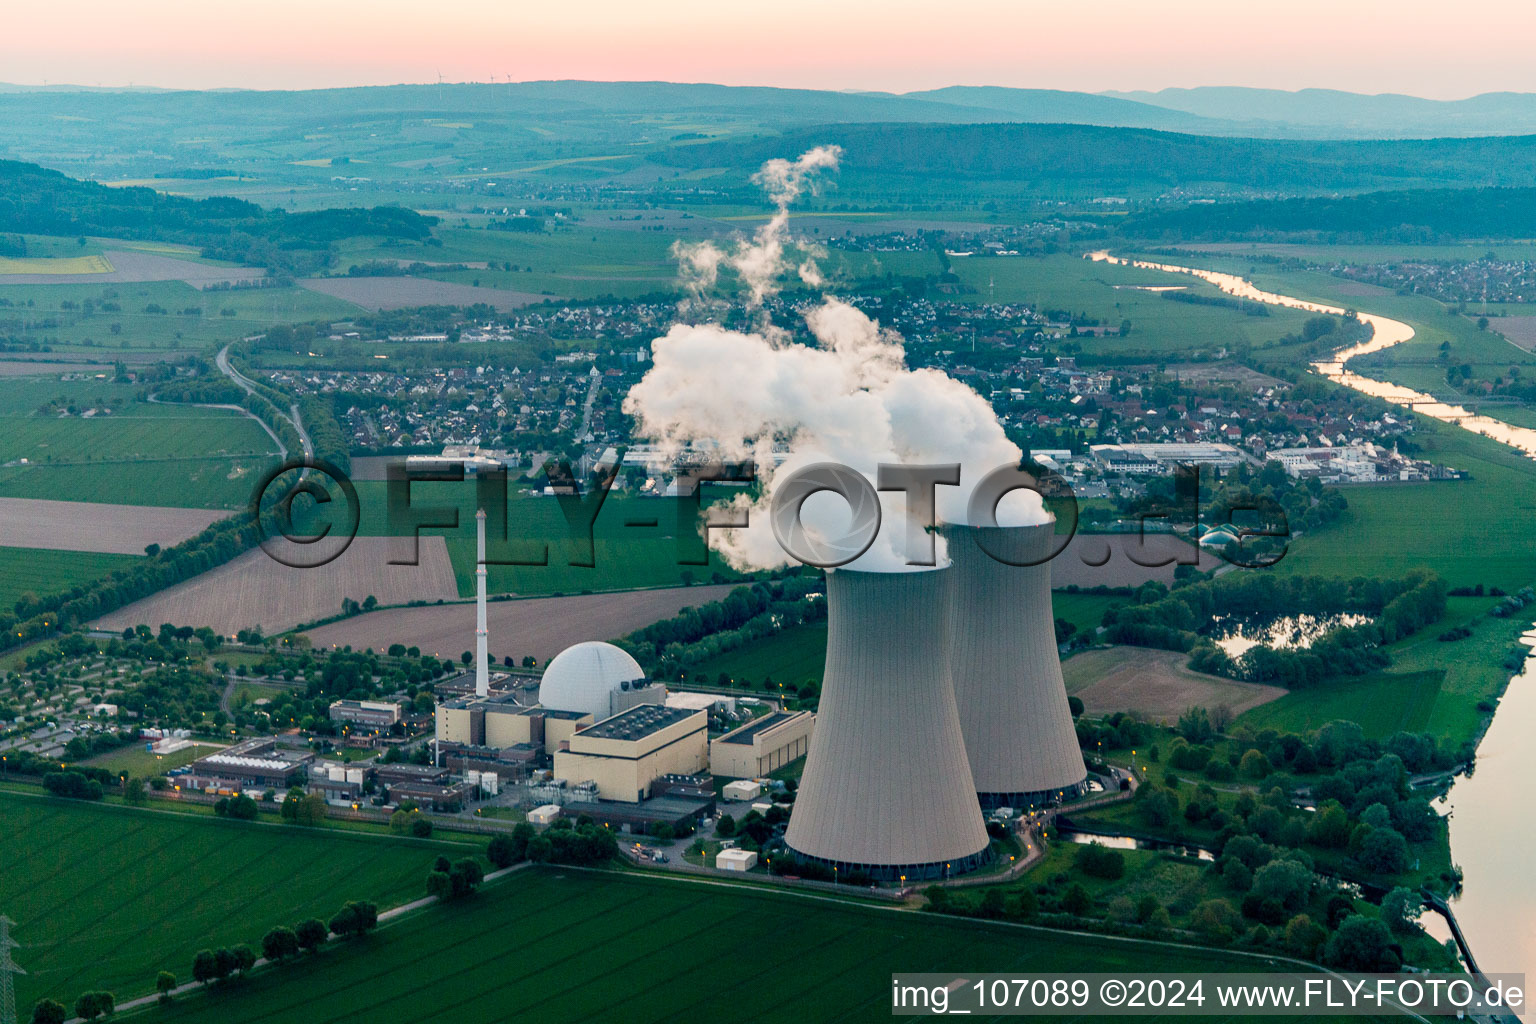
1491	837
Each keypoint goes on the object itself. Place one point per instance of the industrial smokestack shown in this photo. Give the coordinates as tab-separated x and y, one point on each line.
1003	659
482	634
887	788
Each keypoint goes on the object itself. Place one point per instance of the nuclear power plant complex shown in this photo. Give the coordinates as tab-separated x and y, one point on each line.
942	701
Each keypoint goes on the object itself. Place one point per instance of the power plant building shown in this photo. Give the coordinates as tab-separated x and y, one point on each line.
501	722
626	754
763	746
1006	668
887	787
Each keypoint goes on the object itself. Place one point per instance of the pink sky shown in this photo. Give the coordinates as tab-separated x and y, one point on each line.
1413	46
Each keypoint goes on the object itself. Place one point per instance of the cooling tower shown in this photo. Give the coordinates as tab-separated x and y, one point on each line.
886	788
1006	670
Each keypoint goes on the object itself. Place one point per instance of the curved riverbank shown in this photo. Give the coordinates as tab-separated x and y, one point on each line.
1490	836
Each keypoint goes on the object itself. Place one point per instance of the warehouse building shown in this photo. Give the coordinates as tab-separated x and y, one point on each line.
762	747
251	765
623	755
370	714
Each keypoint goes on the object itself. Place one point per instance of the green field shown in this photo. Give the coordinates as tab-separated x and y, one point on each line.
799	653
198	433
1068	282
1470	531
172	332
553	945
37	571
178	483
105	896
1433	686
138	763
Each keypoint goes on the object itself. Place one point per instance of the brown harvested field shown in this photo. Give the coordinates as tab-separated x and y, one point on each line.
540	626
376	293
130	267
1519	331
1075	564
89	526
1155	683
254	590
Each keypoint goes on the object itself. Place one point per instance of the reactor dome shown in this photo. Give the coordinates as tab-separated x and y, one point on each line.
583	678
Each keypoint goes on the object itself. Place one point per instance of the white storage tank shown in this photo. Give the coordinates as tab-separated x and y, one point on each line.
544	815
356	775
336	773
473	778
490	782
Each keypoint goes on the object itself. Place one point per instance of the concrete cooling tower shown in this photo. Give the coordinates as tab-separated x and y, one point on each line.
887	788
1006	669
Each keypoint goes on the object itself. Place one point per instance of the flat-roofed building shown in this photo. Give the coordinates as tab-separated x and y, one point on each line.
252	765
371	714
623	755
501	722
761	747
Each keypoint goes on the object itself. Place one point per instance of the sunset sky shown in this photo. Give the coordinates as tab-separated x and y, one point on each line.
1412	46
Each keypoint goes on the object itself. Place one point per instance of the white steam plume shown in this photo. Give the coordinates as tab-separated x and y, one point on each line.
849	398
759	260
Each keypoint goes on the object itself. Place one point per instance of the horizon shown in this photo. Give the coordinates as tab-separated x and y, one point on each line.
1118	93
1101	46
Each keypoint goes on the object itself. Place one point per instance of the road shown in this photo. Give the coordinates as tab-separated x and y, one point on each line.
249	386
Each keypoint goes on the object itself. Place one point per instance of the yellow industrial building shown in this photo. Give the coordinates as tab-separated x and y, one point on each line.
500	722
763	746
626	753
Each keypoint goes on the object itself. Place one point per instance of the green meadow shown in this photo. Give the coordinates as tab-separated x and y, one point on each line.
561	945
105	896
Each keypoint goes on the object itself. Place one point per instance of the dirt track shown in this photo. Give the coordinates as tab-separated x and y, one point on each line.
89	526
541	626
1156	683
253	590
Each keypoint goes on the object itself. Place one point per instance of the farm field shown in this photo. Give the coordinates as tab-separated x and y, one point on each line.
215	483
1469	531
1155	683
31	570
799	653
1432	685
195	433
541	627
47	266
376	293
790	657
86	884
96	526
120	266
255	590
1111	295
625	557
559	945
189	318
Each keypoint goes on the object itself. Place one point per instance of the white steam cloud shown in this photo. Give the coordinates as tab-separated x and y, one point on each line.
758	261
849	398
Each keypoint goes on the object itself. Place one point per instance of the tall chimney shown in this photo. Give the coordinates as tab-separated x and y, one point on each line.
887	789
1003	658
482	635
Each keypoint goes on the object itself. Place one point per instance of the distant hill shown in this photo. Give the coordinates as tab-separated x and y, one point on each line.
1128	157
35	200
1424	215
1329	112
